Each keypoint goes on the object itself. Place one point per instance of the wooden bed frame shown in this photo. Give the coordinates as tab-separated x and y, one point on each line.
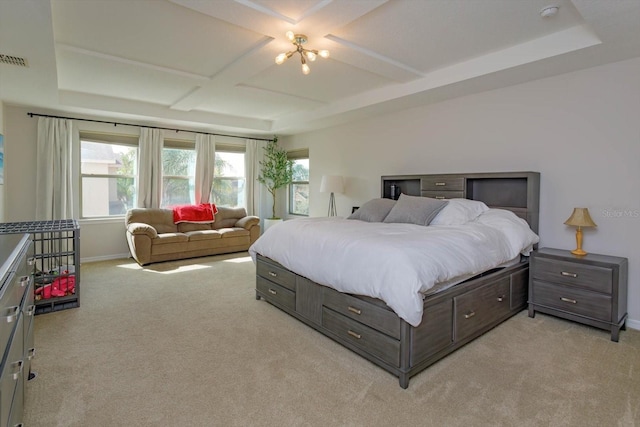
452	317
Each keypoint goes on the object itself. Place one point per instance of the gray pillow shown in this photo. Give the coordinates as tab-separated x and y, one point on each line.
375	210
415	210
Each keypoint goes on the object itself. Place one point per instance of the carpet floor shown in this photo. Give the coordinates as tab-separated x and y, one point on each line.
186	343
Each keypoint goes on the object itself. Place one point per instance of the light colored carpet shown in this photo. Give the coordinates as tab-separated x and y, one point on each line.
187	344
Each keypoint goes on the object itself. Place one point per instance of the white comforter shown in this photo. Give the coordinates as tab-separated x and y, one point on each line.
396	263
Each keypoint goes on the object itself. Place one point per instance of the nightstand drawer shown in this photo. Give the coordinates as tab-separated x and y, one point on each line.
276	274
591	277
573	300
276	293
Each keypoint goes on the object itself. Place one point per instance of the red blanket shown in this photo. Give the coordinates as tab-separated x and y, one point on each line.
202	213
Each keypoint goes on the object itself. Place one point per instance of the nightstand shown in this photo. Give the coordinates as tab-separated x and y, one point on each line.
590	289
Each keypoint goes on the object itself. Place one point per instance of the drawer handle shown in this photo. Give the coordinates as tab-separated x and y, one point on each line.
440	184
17	369
469	315
272	274
31	353
272	292
439	197
354	310
31	261
501	298
15	310
31	310
572	301
354	334
567	274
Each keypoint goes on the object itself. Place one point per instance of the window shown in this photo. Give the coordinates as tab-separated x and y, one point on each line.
108	178
228	179
299	188
178	176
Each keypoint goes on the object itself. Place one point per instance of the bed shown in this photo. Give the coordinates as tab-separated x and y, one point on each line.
395	317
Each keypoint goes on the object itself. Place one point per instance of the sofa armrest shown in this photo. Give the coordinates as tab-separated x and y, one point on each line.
247	222
137	228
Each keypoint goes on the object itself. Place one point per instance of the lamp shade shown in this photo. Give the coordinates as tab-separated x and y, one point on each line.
580	218
332	184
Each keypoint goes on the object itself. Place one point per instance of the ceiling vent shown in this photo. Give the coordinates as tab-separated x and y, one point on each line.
13	60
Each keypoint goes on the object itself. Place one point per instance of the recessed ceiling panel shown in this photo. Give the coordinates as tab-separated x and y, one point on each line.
428	35
256	103
81	73
329	80
294	9
152	31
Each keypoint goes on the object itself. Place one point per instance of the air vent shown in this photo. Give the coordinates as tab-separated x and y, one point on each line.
13	60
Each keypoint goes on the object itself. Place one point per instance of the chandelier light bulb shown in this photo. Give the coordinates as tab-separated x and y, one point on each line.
305	54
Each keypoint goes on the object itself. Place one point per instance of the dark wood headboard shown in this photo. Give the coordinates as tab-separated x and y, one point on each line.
518	192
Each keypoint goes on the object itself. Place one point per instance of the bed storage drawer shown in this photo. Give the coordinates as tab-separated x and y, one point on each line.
376	317
276	273
362	336
275	293
479	308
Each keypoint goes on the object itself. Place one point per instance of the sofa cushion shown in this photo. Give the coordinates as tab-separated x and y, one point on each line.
160	219
168	238
227	217
232	232
185	227
203	235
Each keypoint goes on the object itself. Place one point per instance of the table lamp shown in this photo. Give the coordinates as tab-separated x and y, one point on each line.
332	184
580	218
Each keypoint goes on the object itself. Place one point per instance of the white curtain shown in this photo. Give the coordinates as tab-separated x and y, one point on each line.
54	176
205	162
150	168
255	192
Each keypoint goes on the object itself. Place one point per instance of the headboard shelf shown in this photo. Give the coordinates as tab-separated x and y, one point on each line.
518	192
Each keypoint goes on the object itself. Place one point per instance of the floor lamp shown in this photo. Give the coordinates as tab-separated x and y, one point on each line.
332	184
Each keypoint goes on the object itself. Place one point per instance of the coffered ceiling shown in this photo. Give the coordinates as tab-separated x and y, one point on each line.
209	64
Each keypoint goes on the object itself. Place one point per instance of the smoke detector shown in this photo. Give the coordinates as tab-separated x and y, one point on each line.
549	11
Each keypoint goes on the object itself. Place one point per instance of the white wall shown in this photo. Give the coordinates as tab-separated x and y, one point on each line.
581	131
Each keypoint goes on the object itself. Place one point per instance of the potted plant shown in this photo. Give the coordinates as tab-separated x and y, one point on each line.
276	172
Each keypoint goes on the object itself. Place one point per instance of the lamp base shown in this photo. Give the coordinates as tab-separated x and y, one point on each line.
578	252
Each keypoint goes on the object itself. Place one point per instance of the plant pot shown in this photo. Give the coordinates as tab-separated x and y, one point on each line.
268	222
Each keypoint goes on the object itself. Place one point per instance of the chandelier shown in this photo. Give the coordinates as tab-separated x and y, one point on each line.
305	54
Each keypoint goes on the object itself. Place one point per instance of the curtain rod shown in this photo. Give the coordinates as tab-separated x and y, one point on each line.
143	126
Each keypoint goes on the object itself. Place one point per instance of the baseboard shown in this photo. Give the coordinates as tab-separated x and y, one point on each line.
105	258
633	324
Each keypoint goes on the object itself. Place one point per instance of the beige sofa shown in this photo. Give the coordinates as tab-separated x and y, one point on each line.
153	237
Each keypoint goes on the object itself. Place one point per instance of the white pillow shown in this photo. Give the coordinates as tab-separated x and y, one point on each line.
459	211
520	237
